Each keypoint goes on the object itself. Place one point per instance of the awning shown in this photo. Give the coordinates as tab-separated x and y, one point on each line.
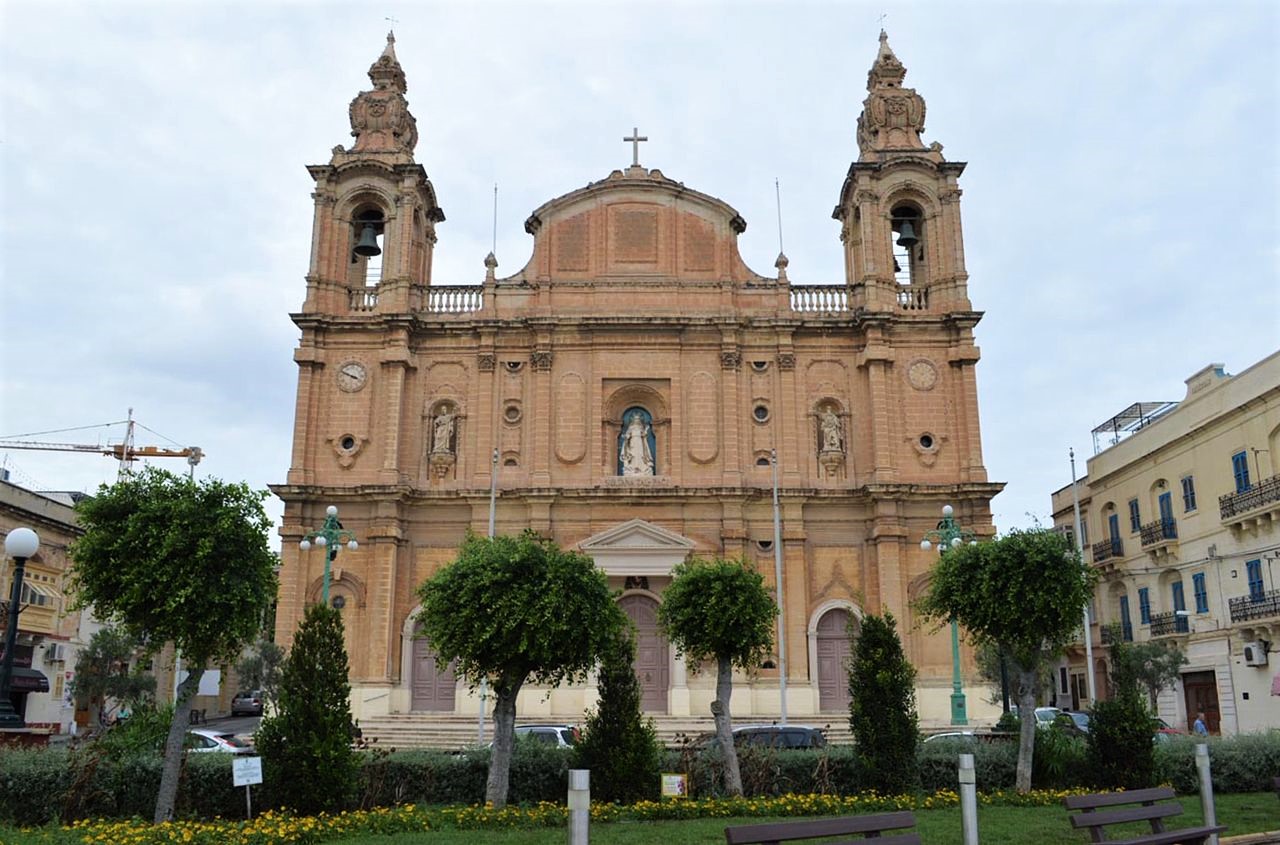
28	680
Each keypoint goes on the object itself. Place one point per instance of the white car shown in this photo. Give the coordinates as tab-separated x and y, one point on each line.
1046	715
951	736
200	740
562	736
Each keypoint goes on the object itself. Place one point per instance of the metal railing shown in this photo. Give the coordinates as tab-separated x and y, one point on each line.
1263	493
1164	624
362	299
455	299
820	299
1245	608
1109	633
1107	549
1159	531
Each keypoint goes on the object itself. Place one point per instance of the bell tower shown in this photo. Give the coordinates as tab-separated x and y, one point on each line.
375	208
900	205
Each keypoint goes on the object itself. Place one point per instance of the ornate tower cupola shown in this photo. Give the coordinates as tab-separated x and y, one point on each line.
900	204
376	210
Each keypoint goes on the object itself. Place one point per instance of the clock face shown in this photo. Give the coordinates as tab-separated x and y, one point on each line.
352	376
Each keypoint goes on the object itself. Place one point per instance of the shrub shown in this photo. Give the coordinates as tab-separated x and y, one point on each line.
619	745
1121	751
882	709
309	765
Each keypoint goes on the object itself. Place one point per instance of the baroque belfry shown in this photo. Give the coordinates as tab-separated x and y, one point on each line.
624	391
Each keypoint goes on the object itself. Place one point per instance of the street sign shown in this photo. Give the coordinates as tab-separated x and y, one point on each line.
246	770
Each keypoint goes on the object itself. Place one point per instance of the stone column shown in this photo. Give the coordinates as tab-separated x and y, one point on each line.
394	366
310	368
678	695
542	414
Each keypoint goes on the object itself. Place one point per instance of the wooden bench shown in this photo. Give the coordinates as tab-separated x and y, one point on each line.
1107	808
872	826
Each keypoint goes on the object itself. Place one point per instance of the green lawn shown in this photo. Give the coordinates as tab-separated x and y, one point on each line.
1242	813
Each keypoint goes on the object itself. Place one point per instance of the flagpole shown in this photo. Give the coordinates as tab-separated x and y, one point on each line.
777	574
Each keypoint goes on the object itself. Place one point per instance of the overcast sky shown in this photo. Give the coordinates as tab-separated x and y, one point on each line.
1121	204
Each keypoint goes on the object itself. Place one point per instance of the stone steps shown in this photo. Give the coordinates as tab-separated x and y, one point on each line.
450	732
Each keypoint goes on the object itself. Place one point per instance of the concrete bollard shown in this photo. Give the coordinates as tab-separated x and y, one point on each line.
579	806
968	800
1206	789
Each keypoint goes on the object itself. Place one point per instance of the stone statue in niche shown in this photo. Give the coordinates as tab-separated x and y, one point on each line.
831	436
635	455
442	430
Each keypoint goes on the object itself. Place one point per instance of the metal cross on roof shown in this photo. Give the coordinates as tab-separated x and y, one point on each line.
635	140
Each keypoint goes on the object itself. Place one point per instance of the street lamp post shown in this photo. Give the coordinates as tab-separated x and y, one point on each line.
19	544
949	535
330	537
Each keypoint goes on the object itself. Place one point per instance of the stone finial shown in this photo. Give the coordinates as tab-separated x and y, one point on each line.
781	264
380	119
490	265
892	116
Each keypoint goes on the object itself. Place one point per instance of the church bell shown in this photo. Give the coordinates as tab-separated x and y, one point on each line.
368	243
907	237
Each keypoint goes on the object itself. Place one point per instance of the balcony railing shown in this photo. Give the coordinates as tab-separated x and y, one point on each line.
913	299
363	299
1159	531
1263	493
1164	624
1107	549
1109	633
1245	608
820	299
455	299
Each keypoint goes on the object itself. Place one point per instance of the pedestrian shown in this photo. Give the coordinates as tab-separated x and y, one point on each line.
1199	728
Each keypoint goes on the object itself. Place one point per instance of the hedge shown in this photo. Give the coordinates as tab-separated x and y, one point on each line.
37	786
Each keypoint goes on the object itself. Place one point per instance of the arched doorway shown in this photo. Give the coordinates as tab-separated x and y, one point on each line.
833	660
433	688
652	652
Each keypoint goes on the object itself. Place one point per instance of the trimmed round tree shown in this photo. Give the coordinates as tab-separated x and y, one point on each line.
169	559
511	609
1024	593
882	707
306	745
721	611
619	745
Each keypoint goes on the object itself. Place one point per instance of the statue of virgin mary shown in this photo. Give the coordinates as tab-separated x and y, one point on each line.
634	454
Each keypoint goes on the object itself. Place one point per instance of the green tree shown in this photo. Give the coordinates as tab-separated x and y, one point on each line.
107	674
882	707
720	611
306	745
619	745
1024	593
261	669
169	559
1152	665
511	609
1121	752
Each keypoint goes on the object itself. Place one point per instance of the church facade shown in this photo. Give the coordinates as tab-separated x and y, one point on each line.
625	394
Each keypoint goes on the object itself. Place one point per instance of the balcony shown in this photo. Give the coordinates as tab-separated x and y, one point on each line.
828	300
1245	608
1160	538
1107	549
1252	508
1109	633
1167	624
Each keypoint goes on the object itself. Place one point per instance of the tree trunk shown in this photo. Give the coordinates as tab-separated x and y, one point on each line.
504	741
173	746
724	727
1027	734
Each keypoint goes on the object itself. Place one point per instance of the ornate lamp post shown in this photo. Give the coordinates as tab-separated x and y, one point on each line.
949	535
19	544
330	536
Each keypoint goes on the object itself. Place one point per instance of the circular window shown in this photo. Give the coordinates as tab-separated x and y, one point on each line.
338	602
511	462
926	441
762	461
511	413
347	443
764	545
761	413
759	366
514	366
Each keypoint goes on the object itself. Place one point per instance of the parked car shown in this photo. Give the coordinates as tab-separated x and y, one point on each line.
1163	731
562	736
200	740
1046	715
783	737
965	737
1072	722
247	703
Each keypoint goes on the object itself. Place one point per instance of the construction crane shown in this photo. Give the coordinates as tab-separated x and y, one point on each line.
125	452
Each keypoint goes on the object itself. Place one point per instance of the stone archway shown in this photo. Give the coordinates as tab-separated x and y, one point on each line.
431	689
833	650
653	658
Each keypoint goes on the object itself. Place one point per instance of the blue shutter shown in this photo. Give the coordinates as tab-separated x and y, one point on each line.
1201	592
1126	625
1240	469
1144	605
1113	525
1188	494
1254	570
1168	528
1135	518
1181	624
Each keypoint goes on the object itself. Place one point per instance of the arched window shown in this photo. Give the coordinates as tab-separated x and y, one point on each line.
637	445
907	244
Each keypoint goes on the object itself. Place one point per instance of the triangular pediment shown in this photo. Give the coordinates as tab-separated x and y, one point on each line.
636	535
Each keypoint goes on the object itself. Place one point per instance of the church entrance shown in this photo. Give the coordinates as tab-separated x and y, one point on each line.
433	688
652	652
833	660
